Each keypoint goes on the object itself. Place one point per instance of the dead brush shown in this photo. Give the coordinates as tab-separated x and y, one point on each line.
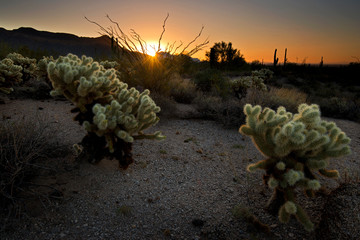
24	149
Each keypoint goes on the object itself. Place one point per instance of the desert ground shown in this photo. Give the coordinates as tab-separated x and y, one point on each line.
184	187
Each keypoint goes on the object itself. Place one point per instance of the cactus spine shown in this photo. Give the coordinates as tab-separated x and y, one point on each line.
294	145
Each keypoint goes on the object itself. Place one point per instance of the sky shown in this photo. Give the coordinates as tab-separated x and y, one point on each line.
309	29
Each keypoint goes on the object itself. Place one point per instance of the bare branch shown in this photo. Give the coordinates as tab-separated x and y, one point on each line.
160	38
205	42
134	43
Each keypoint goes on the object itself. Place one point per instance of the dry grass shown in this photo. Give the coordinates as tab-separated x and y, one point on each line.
183	90
275	97
24	147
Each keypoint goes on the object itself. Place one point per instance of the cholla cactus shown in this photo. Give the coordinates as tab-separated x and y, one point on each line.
28	64
294	147
82	81
9	74
241	84
263	73
42	65
109	64
112	114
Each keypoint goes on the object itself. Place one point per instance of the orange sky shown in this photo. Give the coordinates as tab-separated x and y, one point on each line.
308	29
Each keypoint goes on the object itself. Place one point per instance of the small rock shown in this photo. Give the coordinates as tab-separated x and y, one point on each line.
198	222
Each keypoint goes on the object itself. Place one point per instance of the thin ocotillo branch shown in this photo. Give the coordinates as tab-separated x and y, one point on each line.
162	33
130	43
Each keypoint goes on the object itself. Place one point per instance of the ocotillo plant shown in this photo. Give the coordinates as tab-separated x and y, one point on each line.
276	60
113	115
295	146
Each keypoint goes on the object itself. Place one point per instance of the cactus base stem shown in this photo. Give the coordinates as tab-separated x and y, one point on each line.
95	150
275	202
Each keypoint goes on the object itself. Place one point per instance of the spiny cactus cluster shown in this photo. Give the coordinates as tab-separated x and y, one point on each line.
112	114
9	74
41	69
295	146
109	64
28	65
241	84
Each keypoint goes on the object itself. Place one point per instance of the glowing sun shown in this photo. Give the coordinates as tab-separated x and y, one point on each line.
151	51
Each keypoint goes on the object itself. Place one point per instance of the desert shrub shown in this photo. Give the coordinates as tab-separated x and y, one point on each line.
167	104
183	90
231	113
24	148
32	89
288	97
228	112
212	80
28	65
295	146
10	74
113	115
338	107
153	73
208	105
138	69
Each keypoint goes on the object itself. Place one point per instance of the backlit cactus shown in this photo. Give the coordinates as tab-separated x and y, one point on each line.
28	65
9	75
240	85
41	69
112	114
295	146
109	64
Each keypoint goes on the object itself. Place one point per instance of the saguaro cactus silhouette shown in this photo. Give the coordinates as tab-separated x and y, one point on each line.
276	60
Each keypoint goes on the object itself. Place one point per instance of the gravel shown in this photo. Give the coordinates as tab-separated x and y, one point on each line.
181	188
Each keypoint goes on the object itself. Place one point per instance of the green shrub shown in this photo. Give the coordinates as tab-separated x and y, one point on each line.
183	90
295	146
113	115
212	80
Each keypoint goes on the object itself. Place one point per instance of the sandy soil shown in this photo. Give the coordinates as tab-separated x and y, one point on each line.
184	187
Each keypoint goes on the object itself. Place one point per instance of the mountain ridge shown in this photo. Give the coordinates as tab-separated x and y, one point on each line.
59	43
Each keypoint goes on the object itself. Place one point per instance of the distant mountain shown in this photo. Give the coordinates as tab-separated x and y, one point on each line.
60	43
